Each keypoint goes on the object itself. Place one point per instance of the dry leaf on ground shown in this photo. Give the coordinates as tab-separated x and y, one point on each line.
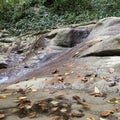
105	113
97	93
2	116
75	97
102	119
54	103
113	101
90	118
67	73
3	97
77	114
96	90
55	71
32	114
56	118
85	105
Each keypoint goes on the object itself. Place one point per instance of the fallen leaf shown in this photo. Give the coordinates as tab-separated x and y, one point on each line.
55	103
113	84
105	113
28	106
63	110
3	97
66	73
115	109
90	118
21	106
43	106
56	118
85	105
77	114
21	91
22	98
32	114
61	79
96	90
89	74
113	101
53	109
106	78
97	93
2	116
75	97
102	119
55	71
92	93
101	95
34	90
84	79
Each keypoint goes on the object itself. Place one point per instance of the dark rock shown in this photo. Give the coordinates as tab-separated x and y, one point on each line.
3	65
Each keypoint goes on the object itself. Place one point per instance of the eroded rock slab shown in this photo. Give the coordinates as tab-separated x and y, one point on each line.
88	48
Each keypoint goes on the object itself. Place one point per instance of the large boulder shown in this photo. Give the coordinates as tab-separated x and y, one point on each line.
104	56
67	37
107	31
97	50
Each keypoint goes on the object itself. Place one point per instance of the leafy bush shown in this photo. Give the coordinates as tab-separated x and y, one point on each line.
20	16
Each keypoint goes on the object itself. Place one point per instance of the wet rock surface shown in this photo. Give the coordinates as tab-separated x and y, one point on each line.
68	104
82	58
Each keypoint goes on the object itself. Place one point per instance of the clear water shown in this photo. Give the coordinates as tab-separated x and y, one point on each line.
4	79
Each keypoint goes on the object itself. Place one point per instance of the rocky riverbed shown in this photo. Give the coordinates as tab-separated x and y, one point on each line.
77	60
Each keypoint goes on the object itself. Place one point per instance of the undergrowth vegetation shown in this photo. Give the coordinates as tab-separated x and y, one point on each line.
20	16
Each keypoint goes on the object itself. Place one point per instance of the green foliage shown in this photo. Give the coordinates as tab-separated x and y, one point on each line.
20	16
60	6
